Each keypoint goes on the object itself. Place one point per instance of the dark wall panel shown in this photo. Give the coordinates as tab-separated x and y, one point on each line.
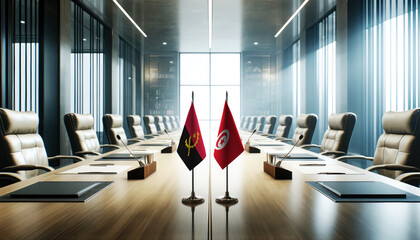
49	109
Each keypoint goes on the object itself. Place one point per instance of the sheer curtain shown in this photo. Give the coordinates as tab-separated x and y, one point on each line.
392	60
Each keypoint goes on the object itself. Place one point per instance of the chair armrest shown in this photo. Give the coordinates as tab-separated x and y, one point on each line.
10	177
310	145
284	139
394	167
407	177
59	157
110	146
336	153
343	158
83	153
17	168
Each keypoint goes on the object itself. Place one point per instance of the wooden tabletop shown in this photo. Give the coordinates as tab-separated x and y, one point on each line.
152	208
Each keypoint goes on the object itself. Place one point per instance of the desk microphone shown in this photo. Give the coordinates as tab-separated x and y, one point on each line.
287	155
166	131
251	135
134	156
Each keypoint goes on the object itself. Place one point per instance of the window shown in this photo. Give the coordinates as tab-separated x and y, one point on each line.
210	76
325	70
392	60
87	66
129	69
291	83
23	55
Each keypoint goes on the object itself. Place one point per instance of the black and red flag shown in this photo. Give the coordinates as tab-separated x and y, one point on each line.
191	147
228	145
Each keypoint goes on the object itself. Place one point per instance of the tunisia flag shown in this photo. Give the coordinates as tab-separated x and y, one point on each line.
228	145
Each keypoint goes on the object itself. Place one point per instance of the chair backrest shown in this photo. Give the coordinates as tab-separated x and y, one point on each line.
285	122
306	124
260	123
113	126
242	122
81	134
167	123
337	137
173	122
270	123
400	143
177	122
252	123
149	124
20	142
134	126
159	123
247	122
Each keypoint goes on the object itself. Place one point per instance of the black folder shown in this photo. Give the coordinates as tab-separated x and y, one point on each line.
54	190
367	189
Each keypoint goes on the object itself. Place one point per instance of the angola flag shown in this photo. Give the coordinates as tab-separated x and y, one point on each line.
191	147
228	145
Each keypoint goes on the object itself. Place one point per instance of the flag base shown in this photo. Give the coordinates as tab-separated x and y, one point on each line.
193	200
227	200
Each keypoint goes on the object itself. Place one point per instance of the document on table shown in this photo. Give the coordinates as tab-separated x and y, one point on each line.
327	170
96	169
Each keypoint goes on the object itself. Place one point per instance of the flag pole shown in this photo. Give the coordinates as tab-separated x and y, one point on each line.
227	199
193	199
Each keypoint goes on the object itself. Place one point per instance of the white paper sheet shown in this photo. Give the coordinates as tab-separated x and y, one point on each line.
106	169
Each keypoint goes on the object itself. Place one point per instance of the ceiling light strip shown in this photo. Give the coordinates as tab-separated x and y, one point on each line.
291	18
210	22
129	18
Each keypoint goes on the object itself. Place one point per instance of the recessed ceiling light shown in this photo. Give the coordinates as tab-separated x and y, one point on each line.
291	18
84	39
129	18
22	22
171	62
249	62
165	43
255	43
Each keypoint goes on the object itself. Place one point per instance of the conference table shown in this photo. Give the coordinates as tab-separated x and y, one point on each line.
151	208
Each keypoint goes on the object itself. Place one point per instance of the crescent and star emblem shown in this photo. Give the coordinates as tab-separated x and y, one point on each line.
222	139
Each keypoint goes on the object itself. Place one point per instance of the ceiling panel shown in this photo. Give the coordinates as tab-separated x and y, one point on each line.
183	24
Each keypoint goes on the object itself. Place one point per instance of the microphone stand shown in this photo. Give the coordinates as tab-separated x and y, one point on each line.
248	146
144	170
277	164
142	164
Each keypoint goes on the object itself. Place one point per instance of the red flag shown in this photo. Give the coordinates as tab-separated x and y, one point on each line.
191	147
228	145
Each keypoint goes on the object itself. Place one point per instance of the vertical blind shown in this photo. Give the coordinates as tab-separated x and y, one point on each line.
87	66
392	60
291	79
321	72
129	69
23	55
